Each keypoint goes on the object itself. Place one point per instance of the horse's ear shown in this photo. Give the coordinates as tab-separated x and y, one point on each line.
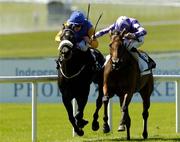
110	44
63	26
110	33
123	32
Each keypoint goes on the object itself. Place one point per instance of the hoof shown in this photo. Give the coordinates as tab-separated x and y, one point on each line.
121	128
82	123
95	125
79	132
145	135
106	128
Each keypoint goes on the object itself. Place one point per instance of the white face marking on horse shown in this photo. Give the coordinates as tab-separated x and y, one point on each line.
115	60
65	49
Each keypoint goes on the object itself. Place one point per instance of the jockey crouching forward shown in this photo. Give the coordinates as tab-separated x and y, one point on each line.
83	30
133	39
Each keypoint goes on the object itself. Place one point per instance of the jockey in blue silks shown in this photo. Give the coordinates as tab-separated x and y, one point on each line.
133	39
84	30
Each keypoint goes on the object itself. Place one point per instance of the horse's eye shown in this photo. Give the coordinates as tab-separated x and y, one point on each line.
110	44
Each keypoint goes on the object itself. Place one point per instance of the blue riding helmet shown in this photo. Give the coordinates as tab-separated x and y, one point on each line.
76	18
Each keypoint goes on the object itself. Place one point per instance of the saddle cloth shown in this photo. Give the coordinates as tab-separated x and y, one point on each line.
143	65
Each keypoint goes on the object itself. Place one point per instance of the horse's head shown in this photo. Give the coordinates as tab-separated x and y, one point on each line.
70	57
68	41
116	46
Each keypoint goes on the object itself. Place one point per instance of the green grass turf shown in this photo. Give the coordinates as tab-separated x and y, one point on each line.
53	124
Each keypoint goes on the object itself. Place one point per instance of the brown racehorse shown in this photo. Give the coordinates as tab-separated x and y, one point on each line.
122	77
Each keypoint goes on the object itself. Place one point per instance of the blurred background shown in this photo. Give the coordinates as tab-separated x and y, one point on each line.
27	47
39	15
45	17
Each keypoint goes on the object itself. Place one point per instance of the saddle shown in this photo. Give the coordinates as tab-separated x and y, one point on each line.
98	59
146	63
151	63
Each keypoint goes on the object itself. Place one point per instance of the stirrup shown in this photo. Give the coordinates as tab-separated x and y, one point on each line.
98	66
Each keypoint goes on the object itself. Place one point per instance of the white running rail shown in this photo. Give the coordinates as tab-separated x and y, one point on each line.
50	78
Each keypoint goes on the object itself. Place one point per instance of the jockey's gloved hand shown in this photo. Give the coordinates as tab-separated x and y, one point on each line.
130	36
93	37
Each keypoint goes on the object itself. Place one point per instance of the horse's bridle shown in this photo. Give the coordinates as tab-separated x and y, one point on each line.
116	63
65	43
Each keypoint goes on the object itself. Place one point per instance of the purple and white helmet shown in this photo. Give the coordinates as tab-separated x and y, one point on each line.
122	22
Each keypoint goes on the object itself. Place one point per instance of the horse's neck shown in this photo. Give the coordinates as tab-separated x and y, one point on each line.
73	65
127	57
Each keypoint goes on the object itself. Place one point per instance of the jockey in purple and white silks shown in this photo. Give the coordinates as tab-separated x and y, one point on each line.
133	39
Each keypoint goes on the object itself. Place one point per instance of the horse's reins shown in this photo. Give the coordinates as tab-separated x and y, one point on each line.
72	76
119	59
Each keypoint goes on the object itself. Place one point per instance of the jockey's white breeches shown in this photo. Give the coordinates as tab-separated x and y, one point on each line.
141	62
130	43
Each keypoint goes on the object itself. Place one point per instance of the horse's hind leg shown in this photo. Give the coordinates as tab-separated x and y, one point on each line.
145	94
69	108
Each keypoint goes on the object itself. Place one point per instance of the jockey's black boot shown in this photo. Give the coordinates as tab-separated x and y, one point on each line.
98	59
151	63
92	61
57	63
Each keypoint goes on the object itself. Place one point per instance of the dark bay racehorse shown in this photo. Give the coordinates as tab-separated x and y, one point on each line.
122	77
75	74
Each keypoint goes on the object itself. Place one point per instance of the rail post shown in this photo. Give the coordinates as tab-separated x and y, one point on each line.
74	113
110	114
177	84
34	111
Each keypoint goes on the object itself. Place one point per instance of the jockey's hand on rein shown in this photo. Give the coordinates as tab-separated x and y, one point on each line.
130	36
93	37
87	39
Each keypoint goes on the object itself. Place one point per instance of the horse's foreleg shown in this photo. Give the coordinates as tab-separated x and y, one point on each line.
81	102
107	71
68	105
106	128
125	120
95	123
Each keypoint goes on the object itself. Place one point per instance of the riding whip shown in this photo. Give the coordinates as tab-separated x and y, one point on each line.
97	23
